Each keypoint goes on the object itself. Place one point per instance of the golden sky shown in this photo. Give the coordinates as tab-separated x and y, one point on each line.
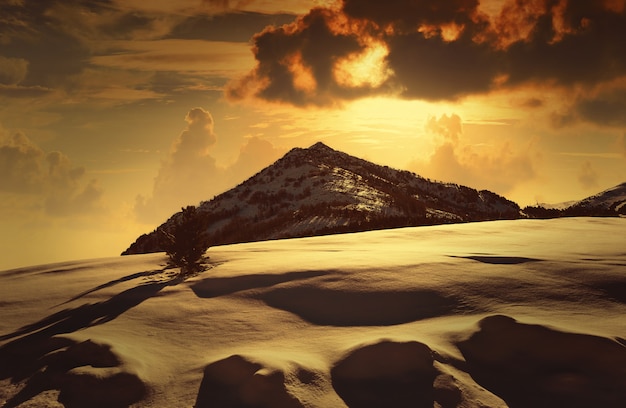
115	113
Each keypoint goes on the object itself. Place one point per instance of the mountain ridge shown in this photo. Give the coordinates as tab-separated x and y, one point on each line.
608	203
319	191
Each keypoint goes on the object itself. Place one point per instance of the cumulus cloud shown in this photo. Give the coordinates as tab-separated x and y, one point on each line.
436	50
22	164
587	176
49	177
497	168
85	200
449	127
190	174
255	154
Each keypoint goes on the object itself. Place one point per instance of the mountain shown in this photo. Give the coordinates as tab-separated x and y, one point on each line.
611	201
608	203
318	191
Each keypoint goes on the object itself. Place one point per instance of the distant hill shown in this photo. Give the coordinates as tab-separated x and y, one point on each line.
608	203
318	191
612	200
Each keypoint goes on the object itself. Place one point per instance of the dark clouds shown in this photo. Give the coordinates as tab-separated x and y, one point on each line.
12	70
405	16
296	61
435	69
607	108
442	50
571	42
52	47
238	26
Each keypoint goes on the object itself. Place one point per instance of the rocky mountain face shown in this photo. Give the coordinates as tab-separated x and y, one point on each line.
319	191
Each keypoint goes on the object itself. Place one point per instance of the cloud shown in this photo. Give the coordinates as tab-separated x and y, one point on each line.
53	49
499	168
176	55
22	164
449	127
587	176
89	21
190	174
194	142
607	109
17	91
216	7
604	105
438	50
253	156
12	70
530	103
296	62
48	177
621	144
86	200
227	27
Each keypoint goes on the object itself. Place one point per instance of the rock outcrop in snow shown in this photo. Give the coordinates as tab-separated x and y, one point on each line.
319	191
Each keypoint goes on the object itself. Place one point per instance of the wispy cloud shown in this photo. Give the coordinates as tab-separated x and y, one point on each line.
588	176
181	56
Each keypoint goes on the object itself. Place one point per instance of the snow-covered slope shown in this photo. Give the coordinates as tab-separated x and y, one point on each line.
319	190
612	200
522	313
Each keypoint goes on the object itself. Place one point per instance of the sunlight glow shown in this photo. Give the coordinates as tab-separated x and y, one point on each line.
367	69
303	78
448	32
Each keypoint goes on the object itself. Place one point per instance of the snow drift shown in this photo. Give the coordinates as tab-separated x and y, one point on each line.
521	313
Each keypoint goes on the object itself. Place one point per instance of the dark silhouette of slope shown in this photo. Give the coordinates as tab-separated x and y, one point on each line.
40	356
535	366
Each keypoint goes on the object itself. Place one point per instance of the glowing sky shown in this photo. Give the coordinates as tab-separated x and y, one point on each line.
115	113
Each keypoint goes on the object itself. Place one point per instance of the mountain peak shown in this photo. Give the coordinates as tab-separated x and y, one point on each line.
319	190
320	147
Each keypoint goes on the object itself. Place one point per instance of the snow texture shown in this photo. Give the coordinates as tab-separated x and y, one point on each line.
518	313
